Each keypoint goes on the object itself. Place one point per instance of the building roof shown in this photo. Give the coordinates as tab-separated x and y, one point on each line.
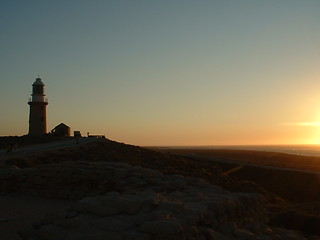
62	125
38	82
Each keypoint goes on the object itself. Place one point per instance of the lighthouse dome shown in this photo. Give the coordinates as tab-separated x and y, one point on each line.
38	82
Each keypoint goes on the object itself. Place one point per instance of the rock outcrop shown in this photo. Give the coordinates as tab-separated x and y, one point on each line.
122	202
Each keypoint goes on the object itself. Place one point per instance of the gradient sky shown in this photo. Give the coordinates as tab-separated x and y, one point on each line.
169	72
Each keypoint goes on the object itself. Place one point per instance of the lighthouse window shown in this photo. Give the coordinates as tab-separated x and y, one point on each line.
37	89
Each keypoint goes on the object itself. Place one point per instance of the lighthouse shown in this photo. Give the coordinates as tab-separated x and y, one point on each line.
38	109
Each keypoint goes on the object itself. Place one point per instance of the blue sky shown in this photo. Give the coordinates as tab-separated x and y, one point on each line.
166	72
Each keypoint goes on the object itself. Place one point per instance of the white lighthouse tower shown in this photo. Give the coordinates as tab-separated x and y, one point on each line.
38	109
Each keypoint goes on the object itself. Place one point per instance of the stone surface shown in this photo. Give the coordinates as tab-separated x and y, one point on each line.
118	201
166	227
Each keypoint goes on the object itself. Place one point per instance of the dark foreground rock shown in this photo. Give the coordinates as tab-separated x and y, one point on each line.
138	203
89	171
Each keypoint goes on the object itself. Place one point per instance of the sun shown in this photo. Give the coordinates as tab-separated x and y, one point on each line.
307	132
314	132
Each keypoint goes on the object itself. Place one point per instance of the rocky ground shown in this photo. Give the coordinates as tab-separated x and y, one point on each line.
28	140
126	192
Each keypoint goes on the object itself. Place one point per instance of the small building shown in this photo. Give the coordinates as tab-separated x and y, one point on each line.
77	133
62	130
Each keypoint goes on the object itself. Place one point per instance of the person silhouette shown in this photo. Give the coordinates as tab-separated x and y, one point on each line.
10	147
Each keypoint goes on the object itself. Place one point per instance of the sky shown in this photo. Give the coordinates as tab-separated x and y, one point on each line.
169	72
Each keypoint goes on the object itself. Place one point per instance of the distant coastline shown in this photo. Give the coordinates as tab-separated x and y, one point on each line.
301	149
